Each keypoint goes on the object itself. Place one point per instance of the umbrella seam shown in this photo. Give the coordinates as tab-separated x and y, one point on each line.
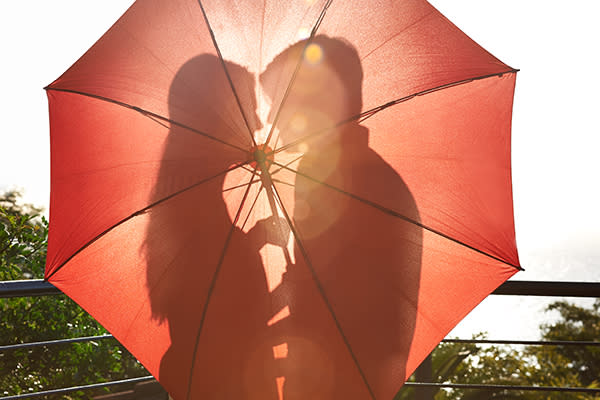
297	68
260	55
146	113
398	215
369	113
235	94
139	212
287	91
321	290
252	182
385	42
241	185
213	284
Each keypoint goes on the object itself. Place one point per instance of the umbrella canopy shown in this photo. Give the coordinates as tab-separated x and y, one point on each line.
281	200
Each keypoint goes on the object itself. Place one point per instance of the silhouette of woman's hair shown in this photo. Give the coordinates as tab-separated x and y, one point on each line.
201	96
204	111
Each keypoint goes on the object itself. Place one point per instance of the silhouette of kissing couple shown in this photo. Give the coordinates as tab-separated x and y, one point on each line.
340	311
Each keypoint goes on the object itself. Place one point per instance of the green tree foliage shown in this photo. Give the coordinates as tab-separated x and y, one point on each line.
23	241
576	324
23	233
559	366
498	365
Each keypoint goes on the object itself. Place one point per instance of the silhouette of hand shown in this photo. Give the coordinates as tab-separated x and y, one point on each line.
275	230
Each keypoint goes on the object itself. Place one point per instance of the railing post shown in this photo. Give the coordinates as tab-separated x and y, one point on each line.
424	373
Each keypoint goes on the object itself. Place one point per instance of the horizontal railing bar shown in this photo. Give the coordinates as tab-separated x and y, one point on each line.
409	384
501	387
77	388
20	346
526	342
547	288
40	287
27	288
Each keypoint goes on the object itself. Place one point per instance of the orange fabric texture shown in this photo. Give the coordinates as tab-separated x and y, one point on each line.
281	200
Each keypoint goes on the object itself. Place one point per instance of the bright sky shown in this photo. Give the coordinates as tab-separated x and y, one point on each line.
556	140
556	134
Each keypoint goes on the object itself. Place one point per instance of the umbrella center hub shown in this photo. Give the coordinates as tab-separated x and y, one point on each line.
262	156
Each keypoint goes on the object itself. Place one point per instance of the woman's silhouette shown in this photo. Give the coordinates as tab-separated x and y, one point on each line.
205	277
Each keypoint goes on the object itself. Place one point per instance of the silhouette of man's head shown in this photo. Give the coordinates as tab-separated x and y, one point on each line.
326	86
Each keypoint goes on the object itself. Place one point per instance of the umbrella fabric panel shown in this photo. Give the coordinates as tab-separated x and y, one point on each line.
452	147
454	280
454	142
252	33
407	49
154	286
402	48
101	177
140	60
399	308
246	351
367	265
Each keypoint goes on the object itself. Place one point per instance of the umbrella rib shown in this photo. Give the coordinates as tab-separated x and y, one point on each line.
287	165
321	289
231	85
213	283
241	185
369	113
398	215
139	212
297	68
283	182
253	204
155	117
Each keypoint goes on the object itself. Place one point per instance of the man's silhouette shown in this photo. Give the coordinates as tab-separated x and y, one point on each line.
353	291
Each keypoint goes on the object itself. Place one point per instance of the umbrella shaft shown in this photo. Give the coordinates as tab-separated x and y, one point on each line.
268	185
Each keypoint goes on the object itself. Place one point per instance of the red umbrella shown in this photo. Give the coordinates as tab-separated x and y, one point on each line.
268	200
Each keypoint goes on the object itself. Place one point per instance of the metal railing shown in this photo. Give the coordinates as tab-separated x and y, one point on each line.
423	387
39	287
